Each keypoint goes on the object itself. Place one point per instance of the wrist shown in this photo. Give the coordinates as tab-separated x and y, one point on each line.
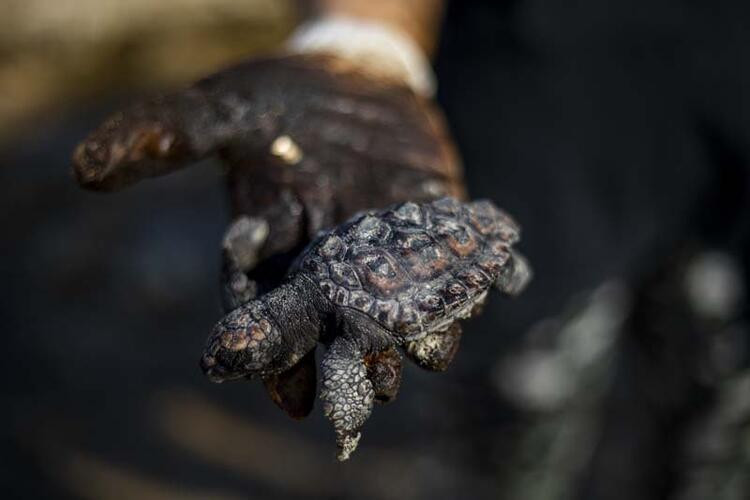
375	47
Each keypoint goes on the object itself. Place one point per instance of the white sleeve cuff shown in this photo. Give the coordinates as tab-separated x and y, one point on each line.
376	47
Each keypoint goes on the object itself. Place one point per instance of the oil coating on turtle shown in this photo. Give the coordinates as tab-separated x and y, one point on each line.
400	277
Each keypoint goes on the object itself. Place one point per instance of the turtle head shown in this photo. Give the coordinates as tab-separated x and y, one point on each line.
245	342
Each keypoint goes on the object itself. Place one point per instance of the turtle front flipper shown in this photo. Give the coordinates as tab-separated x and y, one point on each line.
240	254
294	390
347	393
436	350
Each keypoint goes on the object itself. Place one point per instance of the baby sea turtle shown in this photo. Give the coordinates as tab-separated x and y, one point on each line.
400	277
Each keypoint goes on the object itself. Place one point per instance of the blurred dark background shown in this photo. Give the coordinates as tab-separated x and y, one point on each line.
616	132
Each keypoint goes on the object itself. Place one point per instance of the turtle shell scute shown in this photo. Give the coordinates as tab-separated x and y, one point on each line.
341	298
331	247
328	288
474	278
316	268
427	262
380	273
408	319
385	312
361	300
454	293
408	214
490	220
431	305
447	206
460	238
491	265
344	274
370	229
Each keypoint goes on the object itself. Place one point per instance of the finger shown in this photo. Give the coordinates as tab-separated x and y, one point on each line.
384	372
294	390
161	135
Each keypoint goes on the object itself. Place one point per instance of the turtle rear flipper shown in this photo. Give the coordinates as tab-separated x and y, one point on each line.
241	248
436	350
347	393
514	279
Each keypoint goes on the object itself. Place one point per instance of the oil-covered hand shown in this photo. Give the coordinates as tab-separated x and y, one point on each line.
308	140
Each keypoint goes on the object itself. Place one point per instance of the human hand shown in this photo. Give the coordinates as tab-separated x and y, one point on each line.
308	140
